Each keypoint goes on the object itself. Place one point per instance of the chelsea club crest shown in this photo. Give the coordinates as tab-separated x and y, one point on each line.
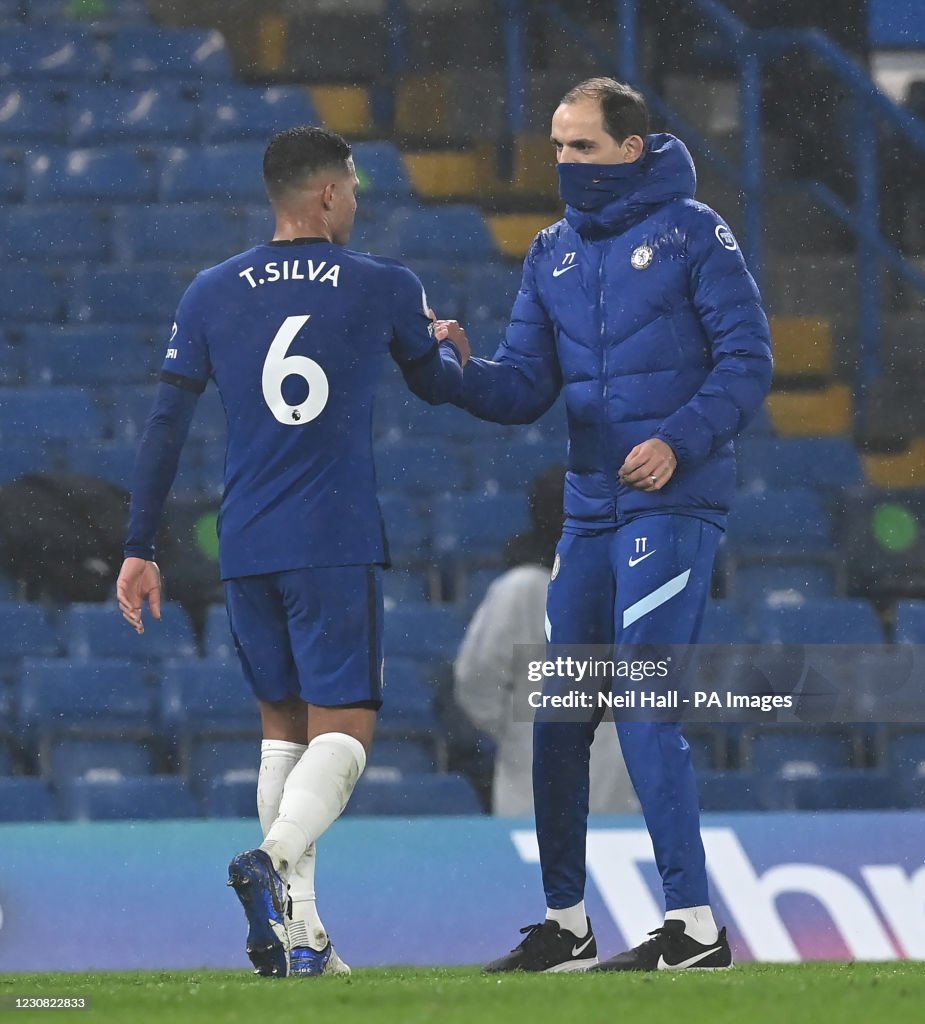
642	257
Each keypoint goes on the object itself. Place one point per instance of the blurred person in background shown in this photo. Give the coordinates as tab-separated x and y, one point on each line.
513	611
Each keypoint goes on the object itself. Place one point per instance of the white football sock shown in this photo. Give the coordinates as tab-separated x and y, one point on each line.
315	794
572	919
305	926
277	759
698	923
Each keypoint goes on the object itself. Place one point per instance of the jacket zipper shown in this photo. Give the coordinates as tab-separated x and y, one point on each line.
605	431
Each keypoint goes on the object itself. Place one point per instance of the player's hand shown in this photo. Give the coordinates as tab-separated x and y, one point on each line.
449	330
649	466
139	581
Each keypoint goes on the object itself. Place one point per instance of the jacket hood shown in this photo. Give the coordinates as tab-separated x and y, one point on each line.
665	172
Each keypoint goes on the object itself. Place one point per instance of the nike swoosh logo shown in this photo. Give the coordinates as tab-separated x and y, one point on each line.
559	271
664	966
583	946
641	558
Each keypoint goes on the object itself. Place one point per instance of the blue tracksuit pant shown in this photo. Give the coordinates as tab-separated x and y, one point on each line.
644	582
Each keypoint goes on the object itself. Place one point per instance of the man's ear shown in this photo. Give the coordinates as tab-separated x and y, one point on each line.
327	195
633	147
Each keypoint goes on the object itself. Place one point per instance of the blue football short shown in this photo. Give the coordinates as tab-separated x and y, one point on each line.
310	633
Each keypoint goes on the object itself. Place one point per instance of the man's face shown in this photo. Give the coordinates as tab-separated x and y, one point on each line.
579	136
345	205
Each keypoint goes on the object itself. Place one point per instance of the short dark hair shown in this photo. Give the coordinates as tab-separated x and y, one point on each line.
298	153
623	108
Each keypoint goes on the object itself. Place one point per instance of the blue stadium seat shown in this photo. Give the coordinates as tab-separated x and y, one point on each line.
722	624
413	795
207	696
728	791
50	413
408	697
485	336
28	456
827	463
142	294
400	585
259	224
190	233
115	461
910	622
233	112
107	696
218	641
232	796
111	461
112	174
231	173
418	467
475	527
140	798
849	789
471	587
30	294
490	292
12	364
394	758
420	420
514	466
128	409
192	55
26	799
6	758
97	758
212	468
214	757
791	583
798	753
99	631
381	170
209	422
29	114
457	232
90	355
422	630
405	528
790	523
442	286
836	620
905	759
58	54
12	176
34	233
110	113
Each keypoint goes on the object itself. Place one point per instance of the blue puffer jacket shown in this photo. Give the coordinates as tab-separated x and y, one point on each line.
645	313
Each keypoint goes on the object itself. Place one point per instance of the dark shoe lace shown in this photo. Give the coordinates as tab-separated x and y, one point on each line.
531	932
651	944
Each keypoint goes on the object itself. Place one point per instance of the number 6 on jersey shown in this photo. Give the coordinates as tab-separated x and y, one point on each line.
278	366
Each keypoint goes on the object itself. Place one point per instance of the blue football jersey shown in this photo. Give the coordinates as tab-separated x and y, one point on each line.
295	335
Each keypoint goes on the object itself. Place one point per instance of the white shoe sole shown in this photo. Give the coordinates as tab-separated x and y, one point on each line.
571	965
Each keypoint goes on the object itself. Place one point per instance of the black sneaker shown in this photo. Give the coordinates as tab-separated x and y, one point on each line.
548	948
672	949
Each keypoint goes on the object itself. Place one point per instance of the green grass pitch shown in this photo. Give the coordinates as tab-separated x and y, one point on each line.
750	994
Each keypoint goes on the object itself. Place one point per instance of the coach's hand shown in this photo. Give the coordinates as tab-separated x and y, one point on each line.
649	466
139	581
449	330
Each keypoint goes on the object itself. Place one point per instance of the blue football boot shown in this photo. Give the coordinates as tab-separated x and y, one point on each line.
263	894
305	962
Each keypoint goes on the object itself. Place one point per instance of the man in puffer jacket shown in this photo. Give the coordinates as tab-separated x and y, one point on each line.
637	305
